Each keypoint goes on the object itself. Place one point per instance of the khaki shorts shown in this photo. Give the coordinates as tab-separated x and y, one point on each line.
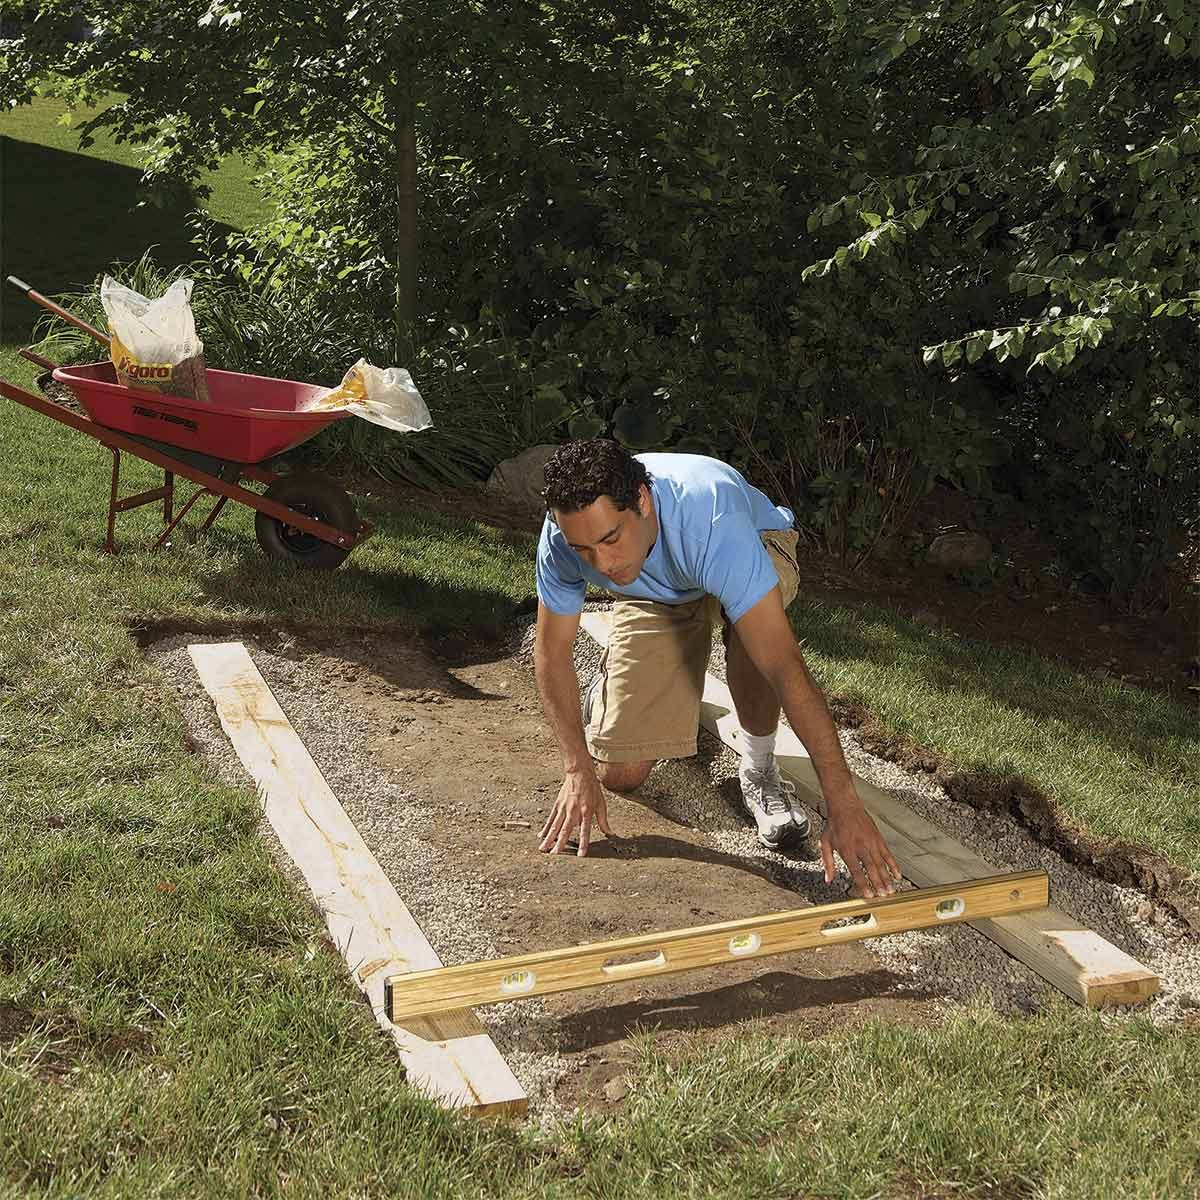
648	706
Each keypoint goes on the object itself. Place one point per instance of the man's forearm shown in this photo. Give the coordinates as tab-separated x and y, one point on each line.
808	714
558	687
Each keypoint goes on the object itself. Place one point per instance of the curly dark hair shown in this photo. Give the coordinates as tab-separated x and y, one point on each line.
578	473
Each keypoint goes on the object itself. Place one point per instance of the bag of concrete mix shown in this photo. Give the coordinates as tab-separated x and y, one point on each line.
153	342
383	396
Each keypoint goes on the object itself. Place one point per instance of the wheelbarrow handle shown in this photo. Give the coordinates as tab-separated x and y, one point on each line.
58	311
38	360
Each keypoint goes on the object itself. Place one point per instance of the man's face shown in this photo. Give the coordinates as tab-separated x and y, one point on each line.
611	540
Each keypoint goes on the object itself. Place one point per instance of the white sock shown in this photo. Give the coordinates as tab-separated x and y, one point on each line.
758	753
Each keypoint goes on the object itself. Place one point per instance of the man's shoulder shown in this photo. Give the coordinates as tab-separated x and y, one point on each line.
670	465
688	477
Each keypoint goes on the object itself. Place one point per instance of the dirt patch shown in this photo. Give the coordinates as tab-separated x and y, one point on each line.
471	731
442	759
448	769
1030	807
53	1046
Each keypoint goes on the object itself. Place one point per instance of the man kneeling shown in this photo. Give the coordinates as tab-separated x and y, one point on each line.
683	541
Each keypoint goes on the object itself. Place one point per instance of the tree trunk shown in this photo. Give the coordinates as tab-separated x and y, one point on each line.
405	167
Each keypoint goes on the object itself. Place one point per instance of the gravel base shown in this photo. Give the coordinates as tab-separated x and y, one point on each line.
451	903
957	962
454	904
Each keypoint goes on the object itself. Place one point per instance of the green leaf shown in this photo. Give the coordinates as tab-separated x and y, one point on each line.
584	426
639	427
983	225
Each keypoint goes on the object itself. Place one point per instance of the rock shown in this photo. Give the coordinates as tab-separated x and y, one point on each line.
1189	1000
1026	1004
1144	911
959	551
615	1089
923	616
520	479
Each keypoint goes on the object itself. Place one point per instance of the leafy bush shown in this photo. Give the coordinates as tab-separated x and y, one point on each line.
855	247
278	325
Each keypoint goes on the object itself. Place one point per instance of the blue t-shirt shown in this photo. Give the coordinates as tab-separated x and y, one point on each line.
708	542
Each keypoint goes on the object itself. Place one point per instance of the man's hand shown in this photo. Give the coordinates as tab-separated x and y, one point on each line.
580	799
851	832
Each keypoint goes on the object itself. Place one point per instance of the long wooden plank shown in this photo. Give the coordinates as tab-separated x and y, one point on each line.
594	965
449	1057
1068	955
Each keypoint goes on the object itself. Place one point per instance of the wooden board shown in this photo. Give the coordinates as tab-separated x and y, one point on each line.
449	1057
1076	960
594	965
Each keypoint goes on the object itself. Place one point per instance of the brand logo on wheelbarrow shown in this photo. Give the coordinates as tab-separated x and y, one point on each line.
139	411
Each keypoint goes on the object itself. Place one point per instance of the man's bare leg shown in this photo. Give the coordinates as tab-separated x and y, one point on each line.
754	699
769	800
623	777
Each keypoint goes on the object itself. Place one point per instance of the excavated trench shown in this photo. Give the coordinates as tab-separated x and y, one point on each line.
1114	862
439	753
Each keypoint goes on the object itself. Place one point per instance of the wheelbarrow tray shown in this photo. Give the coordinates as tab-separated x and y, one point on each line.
251	418
215	475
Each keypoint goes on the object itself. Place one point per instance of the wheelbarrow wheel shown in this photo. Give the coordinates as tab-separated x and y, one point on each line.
317	496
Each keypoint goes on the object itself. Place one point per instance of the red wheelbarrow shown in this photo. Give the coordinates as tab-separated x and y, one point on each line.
304	518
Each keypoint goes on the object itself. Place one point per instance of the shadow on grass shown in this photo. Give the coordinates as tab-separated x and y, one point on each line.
65	217
959	669
460	617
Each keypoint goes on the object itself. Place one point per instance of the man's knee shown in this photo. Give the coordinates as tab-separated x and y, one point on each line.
625	776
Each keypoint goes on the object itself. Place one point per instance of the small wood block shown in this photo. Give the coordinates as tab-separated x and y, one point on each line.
520	976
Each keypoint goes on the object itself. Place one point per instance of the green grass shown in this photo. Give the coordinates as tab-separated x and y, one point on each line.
67	214
979	1106
165	1029
1120	762
168	1034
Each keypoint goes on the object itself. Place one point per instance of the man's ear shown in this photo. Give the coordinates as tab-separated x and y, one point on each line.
644	501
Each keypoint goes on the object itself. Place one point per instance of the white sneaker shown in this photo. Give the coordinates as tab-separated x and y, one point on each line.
772	802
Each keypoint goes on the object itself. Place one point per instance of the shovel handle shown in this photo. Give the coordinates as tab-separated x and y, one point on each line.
58	311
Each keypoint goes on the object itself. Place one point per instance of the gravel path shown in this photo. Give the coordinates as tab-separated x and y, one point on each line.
454	904
958	961
451	902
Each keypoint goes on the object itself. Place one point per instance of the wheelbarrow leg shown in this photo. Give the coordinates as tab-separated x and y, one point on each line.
109	544
183	512
216	512
168	495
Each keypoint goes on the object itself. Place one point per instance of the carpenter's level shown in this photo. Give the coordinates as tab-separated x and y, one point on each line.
593	965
